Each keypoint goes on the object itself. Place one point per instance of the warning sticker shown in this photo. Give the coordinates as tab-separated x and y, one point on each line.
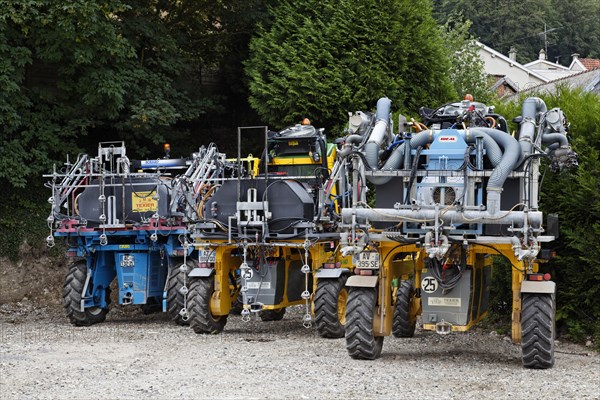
444	301
143	202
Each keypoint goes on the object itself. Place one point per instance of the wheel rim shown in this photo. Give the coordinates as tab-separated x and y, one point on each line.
341	306
94	310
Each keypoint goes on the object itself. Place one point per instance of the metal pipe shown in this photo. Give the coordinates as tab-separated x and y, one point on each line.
239	163
450	217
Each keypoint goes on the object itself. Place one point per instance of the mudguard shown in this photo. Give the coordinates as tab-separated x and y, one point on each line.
538	287
362	281
331	273
201	272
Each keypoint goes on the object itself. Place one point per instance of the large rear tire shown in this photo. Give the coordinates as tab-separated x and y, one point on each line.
361	341
330	307
175	299
200	318
537	330
72	294
404	323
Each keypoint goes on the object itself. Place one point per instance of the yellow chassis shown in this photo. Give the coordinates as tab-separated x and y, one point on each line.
224	293
477	257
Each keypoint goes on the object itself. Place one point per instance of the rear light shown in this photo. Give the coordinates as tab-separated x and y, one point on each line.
72	253
179	252
535	277
329	265
205	265
547	276
365	272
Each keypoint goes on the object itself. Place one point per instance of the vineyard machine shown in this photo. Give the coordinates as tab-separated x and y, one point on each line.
449	195
209	236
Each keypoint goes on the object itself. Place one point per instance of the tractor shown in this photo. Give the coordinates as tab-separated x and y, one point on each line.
121	219
270	237
450	192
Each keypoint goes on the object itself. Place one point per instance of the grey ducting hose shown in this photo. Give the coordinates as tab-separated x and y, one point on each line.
551	138
379	132
395	159
510	159
531	107
492	150
512	152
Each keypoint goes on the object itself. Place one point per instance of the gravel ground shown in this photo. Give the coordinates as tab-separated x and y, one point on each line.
143	356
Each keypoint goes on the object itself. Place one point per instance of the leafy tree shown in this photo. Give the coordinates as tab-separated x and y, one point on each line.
321	59
70	68
577	30
467	72
502	24
571	26
78	72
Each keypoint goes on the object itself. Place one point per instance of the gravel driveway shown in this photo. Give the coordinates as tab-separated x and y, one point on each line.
143	356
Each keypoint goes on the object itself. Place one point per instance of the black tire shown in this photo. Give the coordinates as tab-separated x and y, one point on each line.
238	304
537	330
72	291
404	324
272	315
330	307
175	299
361	341
201	320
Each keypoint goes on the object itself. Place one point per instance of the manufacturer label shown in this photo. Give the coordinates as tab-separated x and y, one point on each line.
447	138
124	246
429	284
256	285
444	301
143	202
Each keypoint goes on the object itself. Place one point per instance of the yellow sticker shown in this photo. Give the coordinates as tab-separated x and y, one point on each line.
293	143
143	201
124	246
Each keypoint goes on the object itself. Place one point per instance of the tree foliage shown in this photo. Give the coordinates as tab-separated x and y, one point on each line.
322	59
572	26
467	72
115	69
575	196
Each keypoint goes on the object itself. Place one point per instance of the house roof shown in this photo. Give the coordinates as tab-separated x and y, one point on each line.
504	80
590	63
512	63
587	80
532	64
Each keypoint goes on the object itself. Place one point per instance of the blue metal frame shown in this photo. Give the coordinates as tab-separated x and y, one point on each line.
450	156
140	264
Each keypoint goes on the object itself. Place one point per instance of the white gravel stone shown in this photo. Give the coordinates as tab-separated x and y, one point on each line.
144	356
